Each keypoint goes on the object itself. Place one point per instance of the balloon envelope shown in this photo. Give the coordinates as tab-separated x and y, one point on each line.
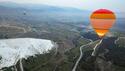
102	20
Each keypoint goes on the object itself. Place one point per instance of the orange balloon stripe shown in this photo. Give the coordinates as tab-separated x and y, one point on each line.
102	23
103	16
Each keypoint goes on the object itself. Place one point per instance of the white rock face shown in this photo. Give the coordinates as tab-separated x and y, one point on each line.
11	50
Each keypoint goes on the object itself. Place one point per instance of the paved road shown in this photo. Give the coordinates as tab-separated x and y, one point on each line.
95	49
119	39
81	54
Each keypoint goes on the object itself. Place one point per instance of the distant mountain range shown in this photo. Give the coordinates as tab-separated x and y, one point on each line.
44	8
47	12
38	7
38	10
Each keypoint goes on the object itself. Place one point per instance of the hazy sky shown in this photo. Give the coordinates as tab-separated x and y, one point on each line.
117	5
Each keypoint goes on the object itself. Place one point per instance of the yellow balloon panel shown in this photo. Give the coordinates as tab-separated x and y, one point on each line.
101	32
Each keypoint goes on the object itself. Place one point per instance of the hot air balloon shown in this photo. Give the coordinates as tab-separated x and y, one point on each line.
102	20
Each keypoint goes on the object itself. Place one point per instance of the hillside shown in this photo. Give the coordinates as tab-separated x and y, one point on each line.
111	54
67	27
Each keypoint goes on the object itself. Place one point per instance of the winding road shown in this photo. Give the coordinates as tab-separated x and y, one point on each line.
81	54
95	49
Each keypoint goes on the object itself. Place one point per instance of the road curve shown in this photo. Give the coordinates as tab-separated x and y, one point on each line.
81	54
95	49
